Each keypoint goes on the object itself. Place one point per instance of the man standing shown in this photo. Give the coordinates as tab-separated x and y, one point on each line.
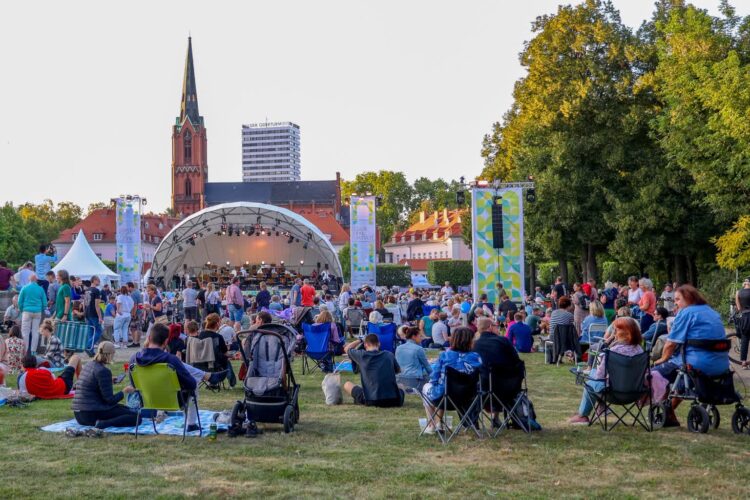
51	289
190	302
560	288
667	297
43	262
295	295
235	301
23	275
6	276
93	310
307	292
31	302
447	290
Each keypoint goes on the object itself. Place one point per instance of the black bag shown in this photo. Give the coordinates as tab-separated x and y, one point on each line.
584	301
718	390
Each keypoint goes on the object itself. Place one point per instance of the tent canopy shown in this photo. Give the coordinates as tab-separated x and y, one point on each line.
82	262
242	234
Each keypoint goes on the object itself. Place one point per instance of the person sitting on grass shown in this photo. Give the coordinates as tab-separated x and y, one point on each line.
410	356
15	348
54	354
459	357
155	351
378	371
95	402
627	341
40	382
519	334
440	334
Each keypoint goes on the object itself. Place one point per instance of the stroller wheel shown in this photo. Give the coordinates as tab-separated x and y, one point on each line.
713	416
238	414
741	421
658	414
289	419
698	419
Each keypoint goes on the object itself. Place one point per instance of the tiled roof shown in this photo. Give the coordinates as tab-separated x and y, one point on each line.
417	265
445	222
102	221
327	224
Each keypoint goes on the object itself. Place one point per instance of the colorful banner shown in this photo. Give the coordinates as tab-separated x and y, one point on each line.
128	238
498	265
362	240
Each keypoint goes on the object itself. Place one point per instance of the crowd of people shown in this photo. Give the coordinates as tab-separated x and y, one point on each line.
471	333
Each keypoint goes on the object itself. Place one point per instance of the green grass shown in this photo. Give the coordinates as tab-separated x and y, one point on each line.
349	451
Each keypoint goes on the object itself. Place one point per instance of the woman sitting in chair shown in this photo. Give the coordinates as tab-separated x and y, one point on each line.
95	402
459	357
595	317
627	341
336	340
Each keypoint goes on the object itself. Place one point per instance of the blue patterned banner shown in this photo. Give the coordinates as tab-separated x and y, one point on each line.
492	265
362	240
128	239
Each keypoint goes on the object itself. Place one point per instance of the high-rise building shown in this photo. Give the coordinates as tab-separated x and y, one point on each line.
270	152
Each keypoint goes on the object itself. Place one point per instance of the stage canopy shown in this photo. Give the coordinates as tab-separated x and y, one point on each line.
82	262
244	234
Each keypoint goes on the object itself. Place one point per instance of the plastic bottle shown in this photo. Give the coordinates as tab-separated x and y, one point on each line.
212	431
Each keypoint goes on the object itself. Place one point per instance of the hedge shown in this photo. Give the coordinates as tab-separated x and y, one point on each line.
393	275
458	272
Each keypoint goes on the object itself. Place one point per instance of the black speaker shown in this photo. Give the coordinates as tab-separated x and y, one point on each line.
460	198
497	222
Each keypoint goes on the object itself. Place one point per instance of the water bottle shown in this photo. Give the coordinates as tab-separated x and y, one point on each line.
212	431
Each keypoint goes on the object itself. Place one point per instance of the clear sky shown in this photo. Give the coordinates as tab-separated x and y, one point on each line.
89	90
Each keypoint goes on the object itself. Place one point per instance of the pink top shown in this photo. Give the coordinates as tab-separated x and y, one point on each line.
234	296
624	349
648	302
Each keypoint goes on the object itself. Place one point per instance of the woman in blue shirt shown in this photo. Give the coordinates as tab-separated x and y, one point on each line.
595	317
415	369
697	321
460	358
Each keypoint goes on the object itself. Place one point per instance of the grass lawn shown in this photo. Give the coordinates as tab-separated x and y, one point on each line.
349	451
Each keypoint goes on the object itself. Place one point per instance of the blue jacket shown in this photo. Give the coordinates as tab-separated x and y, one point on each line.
94	389
32	298
150	356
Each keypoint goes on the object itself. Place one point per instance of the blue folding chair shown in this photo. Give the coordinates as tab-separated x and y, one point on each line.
386	333
317	348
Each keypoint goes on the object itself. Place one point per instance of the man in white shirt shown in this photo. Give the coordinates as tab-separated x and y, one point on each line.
667	297
447	290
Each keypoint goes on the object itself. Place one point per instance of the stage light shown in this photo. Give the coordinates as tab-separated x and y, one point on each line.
262	262
228	263
282	262
302	262
296	240
208	263
247	262
290	240
263	232
179	247
531	195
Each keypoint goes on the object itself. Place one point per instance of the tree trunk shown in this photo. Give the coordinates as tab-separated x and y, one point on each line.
680	271
668	268
590	263
563	263
584	263
692	271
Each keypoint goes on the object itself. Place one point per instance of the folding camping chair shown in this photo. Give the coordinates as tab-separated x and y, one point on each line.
75	336
507	392
627	383
159	389
317	348
200	353
462	395
353	319
426	310
565	338
596	343
386	333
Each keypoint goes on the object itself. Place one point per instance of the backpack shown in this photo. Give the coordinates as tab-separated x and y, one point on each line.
584	301
525	411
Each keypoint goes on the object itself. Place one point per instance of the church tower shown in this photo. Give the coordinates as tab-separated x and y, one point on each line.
189	156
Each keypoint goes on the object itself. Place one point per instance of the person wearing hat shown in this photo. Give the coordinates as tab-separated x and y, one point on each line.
95	402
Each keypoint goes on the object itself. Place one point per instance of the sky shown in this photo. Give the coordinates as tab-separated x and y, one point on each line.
89	91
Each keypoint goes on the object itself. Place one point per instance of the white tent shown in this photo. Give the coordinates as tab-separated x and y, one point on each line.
82	262
238	233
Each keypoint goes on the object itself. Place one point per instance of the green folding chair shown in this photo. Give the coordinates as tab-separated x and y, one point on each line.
159	389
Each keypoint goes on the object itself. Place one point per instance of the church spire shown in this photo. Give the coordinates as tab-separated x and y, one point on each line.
189	104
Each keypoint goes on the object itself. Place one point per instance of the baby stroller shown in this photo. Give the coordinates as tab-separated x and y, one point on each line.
271	392
705	393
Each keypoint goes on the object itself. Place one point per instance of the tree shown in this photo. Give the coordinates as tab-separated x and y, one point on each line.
396	196
96	206
17	245
345	259
46	220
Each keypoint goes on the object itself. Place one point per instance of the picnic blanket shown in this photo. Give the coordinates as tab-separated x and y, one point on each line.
171	426
343	366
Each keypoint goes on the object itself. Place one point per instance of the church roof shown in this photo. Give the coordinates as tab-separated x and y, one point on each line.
189	103
273	193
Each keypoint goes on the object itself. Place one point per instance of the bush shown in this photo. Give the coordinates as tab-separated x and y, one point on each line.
393	275
345	259
718	286
458	272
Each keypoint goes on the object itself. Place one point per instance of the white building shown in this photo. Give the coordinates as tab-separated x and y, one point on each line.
436	236
270	152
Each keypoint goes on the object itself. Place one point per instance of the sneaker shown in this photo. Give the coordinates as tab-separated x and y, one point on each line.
93	432
252	430
578	420
71	432
193	428
130	346
118	346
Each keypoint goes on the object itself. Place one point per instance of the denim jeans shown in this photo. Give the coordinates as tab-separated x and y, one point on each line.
121	328
587	403
235	313
97	330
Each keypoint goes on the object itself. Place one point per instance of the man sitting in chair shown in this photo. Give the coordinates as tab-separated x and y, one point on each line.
378	371
155	351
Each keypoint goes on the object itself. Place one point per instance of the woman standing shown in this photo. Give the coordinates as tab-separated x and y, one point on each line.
647	303
742	301
95	403
581	306
122	320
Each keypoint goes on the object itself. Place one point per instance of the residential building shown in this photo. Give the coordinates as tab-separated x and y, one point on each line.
270	152
435	236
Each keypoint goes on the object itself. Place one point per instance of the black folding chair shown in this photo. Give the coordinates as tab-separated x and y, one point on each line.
506	391
627	385
462	395
565	338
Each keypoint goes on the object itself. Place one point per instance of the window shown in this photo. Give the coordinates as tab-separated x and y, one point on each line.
98	236
145	224
73	236
188	188
99	255
188	147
